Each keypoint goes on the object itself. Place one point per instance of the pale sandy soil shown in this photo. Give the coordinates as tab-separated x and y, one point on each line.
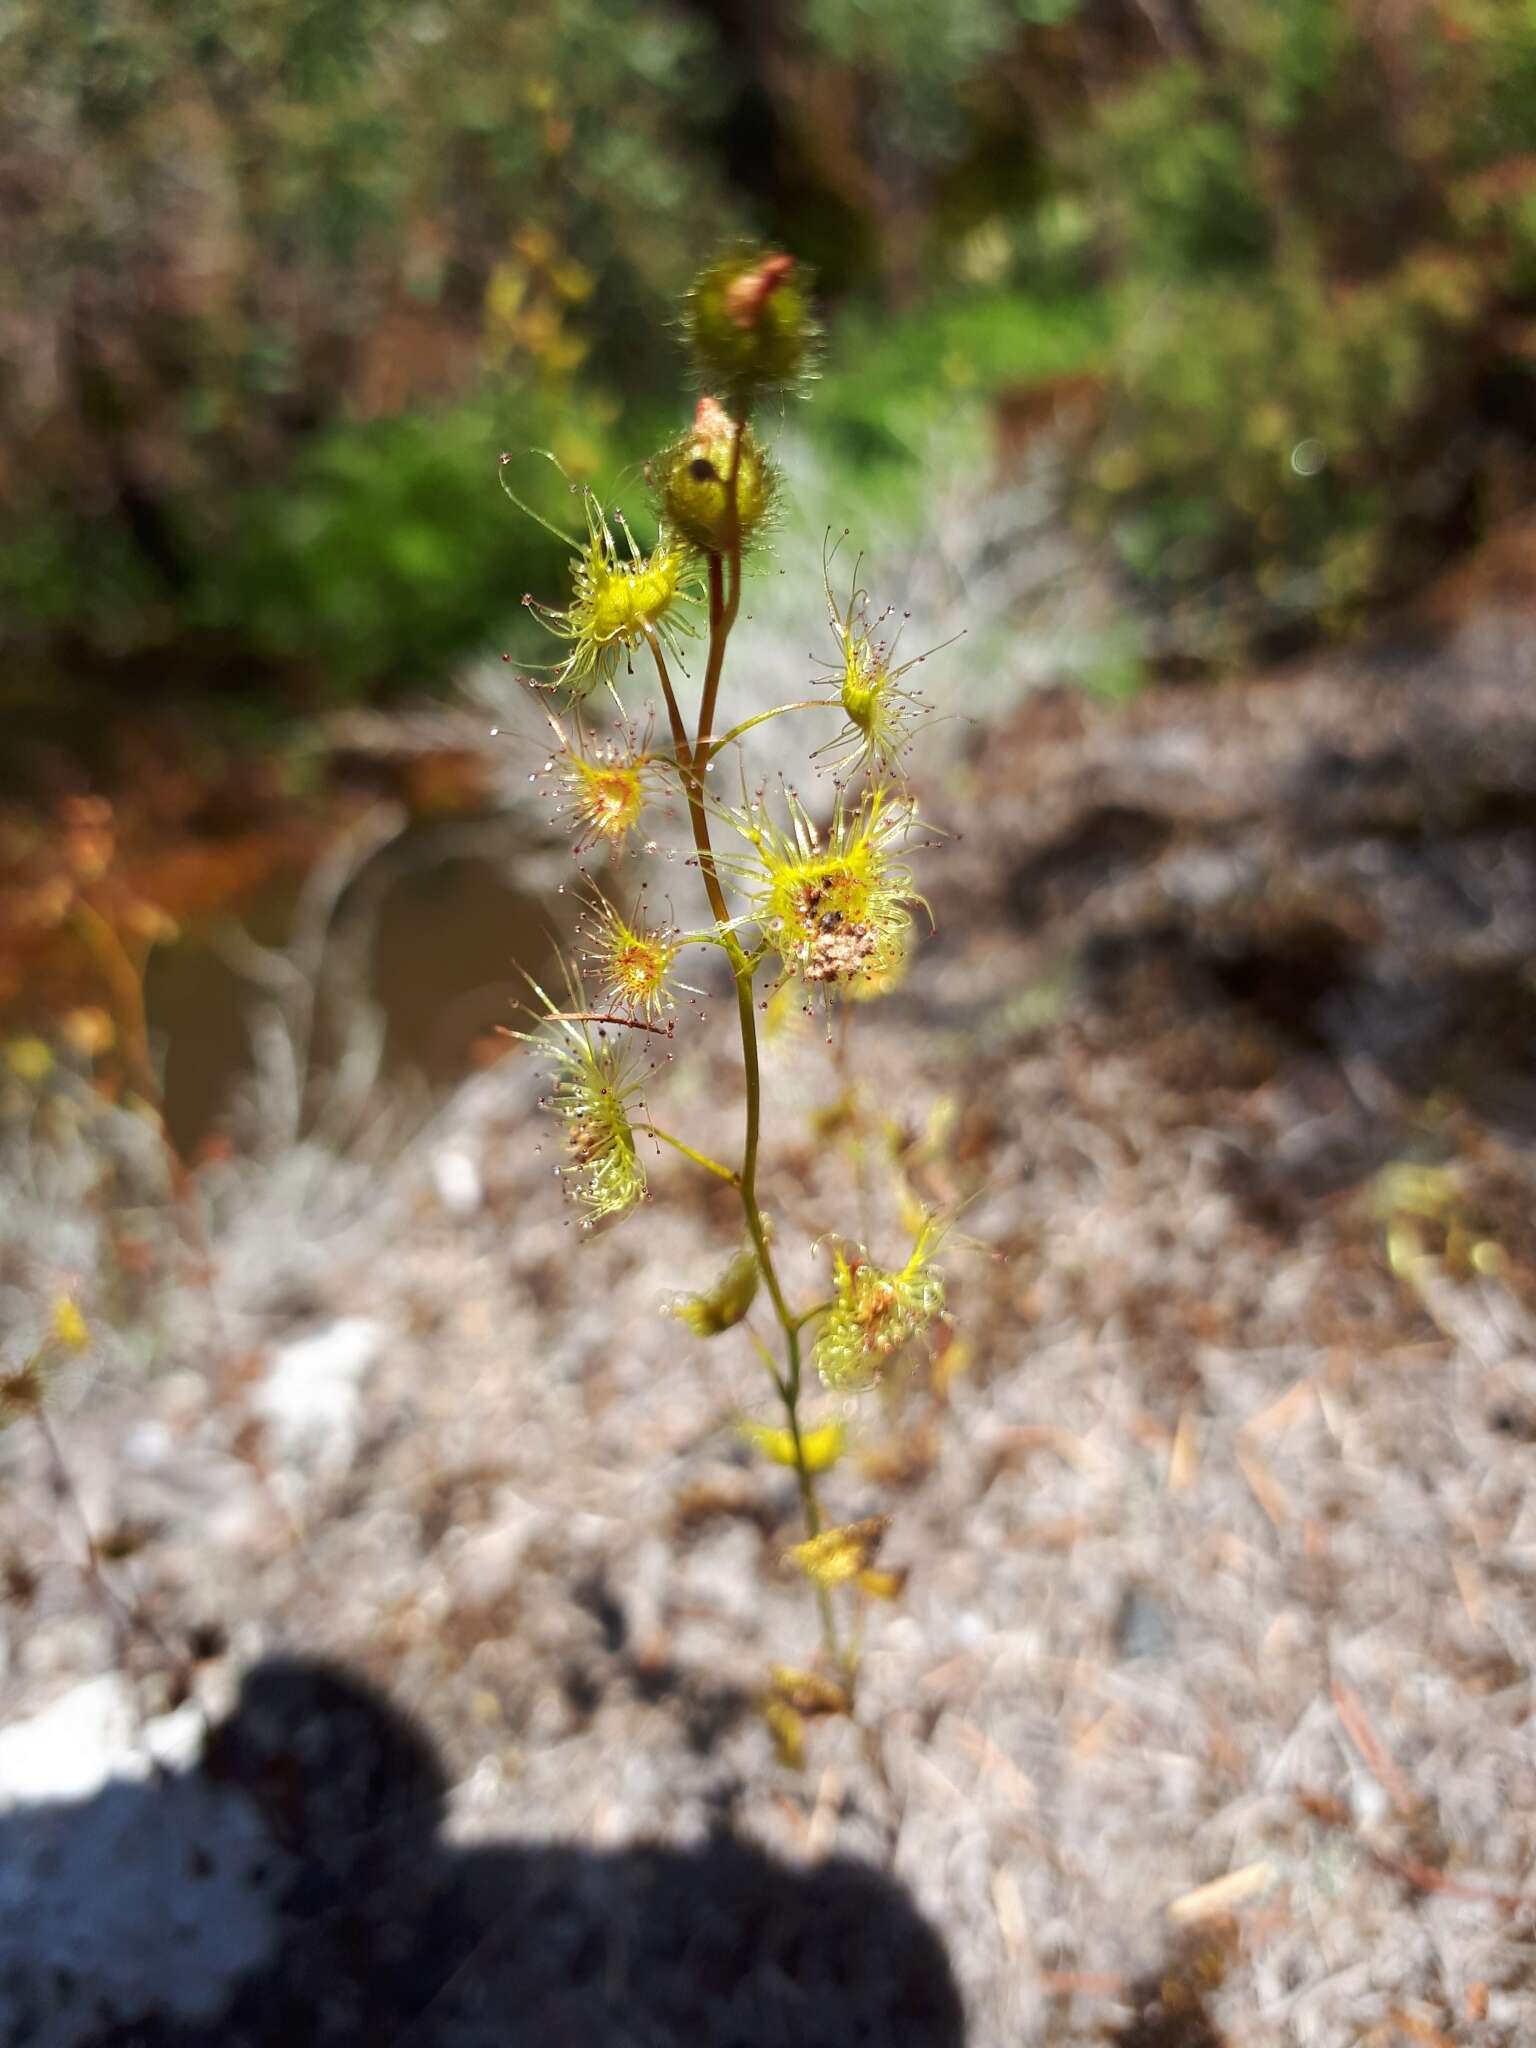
1210	1685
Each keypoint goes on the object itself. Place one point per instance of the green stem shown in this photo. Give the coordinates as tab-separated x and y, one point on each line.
789	1393
778	711
694	789
722	612
699	1158
692	761
770	1363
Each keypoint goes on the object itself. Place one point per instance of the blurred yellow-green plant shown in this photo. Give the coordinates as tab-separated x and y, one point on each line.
793	902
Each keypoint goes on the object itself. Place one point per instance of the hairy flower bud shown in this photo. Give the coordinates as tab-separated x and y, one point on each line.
619	602
749	322
834	905
722	1307
594	1088
882	714
630	958
714	494
599	788
876	1311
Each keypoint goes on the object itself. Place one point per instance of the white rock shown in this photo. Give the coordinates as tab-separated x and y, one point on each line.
124	1890
182	1396
487	1562
456	1177
970	1630
722	1572
148	1444
69	1750
312	1394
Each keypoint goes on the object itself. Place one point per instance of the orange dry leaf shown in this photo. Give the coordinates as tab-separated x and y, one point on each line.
808	1692
837	1555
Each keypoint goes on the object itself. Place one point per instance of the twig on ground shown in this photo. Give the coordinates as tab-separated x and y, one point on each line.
1378	1760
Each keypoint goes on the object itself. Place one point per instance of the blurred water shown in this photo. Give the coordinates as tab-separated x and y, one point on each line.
432	937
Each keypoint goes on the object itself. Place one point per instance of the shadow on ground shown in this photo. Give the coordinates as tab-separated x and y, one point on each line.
372	1929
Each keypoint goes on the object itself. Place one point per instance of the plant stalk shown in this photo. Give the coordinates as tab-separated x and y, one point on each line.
693	760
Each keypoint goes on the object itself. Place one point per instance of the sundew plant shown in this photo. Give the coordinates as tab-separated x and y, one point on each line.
807	897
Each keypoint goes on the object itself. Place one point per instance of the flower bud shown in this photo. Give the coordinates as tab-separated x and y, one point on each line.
875	1311
722	1306
696	474
837	1555
749	322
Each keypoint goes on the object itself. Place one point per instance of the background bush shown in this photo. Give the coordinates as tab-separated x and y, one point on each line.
1320	239
284	280
248	235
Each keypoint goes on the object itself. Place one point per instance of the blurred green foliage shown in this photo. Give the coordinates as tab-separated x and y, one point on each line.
891	386
1285	451
283	280
388	543
244	236
1320	226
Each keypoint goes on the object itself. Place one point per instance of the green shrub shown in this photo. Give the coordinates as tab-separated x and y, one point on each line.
385	556
891	384
248	238
1275	445
1175	159
1325	254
